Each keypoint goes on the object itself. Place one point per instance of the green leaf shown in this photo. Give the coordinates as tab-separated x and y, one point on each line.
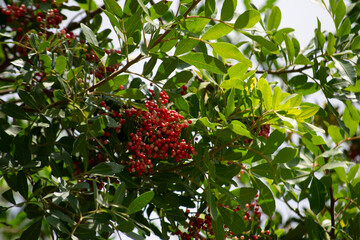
330	48
210	8
266	93
120	194
285	155
14	111
80	147
89	35
28	99
185	45
355	45
272	47
113	20
61	63
274	19
344	29
335	133
307	113
196	25
22	184
131	93
228	9
106	169
87	5
113	6
32	232
264	170
227	50
353	172
317	193
346	70
245	194
289	48
166	68
178	80
232	220
218	227
140	202
57	224
247	19
302	60
8	195
210	199
266	198
351	118
230	103
239	128
274	141
217	31
159	9
179	102
203	61
340	12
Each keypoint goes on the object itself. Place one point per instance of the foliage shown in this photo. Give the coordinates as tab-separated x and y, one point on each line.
198	125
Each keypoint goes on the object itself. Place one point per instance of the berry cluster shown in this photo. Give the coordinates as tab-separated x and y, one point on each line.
183	89
101	71
197	224
156	136
264	131
52	18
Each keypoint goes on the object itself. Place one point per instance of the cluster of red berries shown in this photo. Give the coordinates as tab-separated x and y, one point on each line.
101	71
251	215
156	136
264	131
183	89
196	224
52	18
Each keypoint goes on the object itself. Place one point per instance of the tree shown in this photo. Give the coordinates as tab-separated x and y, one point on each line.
198	140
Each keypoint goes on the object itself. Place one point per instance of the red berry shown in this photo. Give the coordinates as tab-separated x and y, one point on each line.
38	19
121	87
68	36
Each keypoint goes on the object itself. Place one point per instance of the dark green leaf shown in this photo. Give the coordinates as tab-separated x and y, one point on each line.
245	194
285	155
210	199
274	141
232	220
203	61
27	98
179	102
185	45
210	8
140	202
57	224
13	110
159	9
32	232
120	194
272	47
178	80
22	184
228	9
131	93
317	194
106	169
113	6
166	68
8	195
218	227
266	198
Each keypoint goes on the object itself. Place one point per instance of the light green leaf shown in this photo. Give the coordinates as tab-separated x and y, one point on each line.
302	60
60	64
351	118
335	133
355	45
289	48
159	9
237	70
340	12
217	31
227	50
332	165
274	19
89	35
239	128
307	112
230	104
247	19
353	172
203	61
266	93
330	48
140	202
